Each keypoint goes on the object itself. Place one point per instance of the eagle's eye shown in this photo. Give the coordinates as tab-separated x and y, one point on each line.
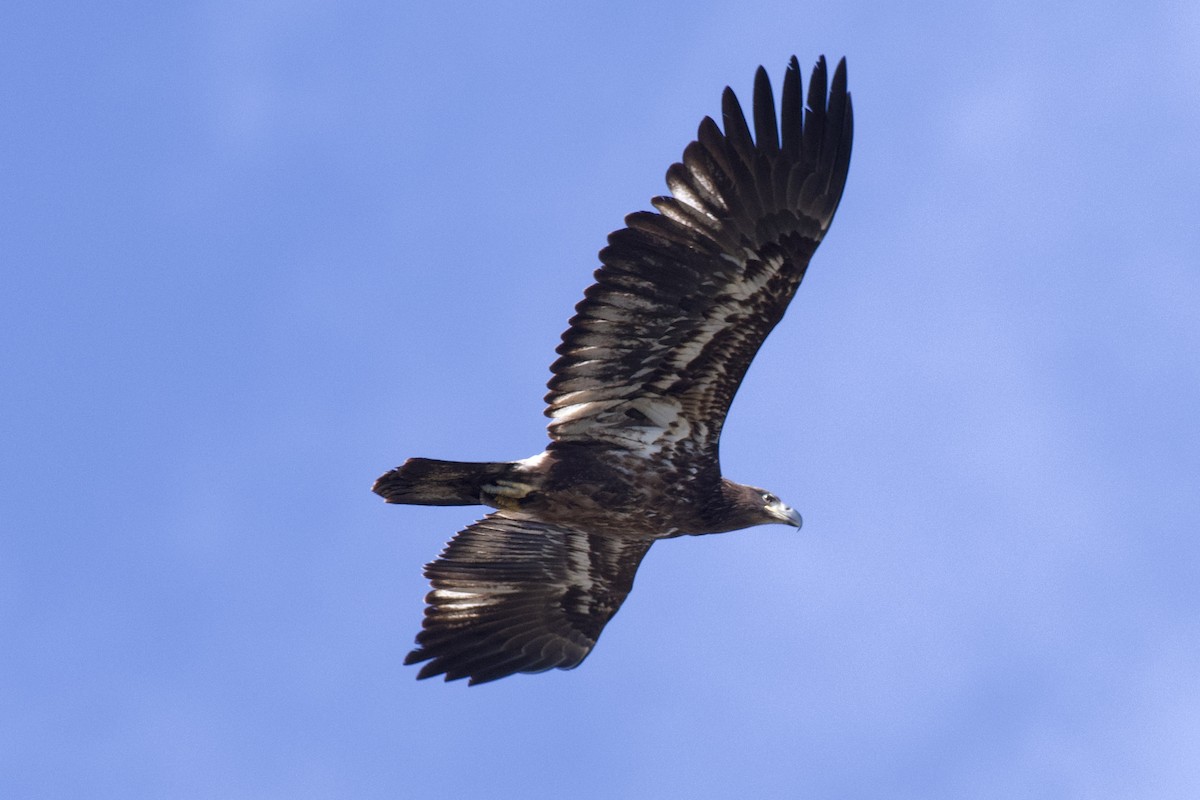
769	498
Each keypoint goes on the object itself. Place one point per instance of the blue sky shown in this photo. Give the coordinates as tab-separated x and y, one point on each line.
255	254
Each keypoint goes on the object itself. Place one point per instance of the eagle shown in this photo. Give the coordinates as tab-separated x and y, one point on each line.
638	396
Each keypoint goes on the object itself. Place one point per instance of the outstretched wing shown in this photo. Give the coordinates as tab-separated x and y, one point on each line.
684	299
513	595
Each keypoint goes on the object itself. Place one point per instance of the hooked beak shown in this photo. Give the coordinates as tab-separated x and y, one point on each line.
786	514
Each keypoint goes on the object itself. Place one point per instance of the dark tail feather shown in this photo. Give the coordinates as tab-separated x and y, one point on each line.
428	482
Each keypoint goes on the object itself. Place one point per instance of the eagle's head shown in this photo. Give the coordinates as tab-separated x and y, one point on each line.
754	506
778	511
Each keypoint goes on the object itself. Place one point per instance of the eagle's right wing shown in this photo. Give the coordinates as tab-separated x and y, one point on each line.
662	340
514	595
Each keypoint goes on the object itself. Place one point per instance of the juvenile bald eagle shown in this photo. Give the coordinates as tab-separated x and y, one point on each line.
646	373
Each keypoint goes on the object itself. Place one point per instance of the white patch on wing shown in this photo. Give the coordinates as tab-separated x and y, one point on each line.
449	598
579	567
601	396
641	373
533	462
662	411
663	424
575	411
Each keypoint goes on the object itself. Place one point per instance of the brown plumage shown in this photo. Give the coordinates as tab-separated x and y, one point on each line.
638	397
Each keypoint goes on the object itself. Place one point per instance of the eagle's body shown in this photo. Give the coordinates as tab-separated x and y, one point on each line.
647	371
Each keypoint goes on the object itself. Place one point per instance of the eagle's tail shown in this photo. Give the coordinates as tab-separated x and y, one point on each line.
428	482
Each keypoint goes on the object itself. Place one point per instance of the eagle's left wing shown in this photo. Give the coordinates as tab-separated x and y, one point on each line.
660	343
514	595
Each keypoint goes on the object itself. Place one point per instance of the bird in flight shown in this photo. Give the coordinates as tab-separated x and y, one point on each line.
646	372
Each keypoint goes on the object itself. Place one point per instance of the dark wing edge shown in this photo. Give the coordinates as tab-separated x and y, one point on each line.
515	595
685	297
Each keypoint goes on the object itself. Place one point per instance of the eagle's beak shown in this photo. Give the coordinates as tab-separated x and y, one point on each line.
785	514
